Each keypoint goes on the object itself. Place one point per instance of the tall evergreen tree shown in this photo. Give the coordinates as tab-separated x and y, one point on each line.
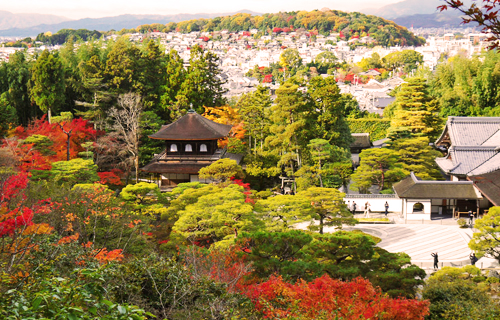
121	71
202	85
288	126
254	109
378	166
152	75
175	76
17	77
47	83
327	117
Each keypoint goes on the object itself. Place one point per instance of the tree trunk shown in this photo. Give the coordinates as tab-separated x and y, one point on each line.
136	163
49	115
383	178
320	224
320	180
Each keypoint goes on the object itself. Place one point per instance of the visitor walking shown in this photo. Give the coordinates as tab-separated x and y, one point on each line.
471	218
367	209
473	259
436	260
353	209
386	205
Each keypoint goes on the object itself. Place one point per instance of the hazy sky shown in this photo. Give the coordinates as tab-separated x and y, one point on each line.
76	9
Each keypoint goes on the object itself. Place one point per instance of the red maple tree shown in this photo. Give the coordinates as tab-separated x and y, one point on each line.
327	298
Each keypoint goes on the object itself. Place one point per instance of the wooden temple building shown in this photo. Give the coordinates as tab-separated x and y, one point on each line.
191	143
471	164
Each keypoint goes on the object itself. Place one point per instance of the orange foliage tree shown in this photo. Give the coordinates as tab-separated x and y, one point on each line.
226	115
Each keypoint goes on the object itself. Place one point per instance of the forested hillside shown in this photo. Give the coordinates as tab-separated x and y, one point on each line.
347	24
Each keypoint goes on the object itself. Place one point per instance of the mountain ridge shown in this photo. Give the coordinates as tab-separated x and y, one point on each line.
125	21
9	20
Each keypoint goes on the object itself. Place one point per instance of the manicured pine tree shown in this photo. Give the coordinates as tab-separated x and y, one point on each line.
416	112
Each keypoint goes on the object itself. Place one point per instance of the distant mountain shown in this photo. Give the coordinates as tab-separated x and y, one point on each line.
407	8
9	20
449	19
126	21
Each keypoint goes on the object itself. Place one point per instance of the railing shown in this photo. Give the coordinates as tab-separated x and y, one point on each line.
372	196
164	157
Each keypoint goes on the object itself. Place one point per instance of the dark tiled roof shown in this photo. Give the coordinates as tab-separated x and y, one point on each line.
383	102
192	126
233	156
361	140
413	188
489	185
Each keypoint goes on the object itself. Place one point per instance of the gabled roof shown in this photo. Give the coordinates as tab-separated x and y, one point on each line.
413	188
192	126
488	185
373	84
469	131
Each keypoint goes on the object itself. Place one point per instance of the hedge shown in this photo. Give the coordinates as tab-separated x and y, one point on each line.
377	128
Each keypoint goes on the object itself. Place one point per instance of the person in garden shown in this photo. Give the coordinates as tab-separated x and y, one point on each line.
367	209
473	259
436	260
386	206
353	208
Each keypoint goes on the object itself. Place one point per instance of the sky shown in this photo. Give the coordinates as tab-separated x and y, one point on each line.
78	9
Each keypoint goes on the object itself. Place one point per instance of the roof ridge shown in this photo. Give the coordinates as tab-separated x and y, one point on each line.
480	147
484	163
463	119
494	133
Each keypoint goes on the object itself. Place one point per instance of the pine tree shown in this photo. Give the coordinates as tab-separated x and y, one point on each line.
288	126
379	166
415	155
416	112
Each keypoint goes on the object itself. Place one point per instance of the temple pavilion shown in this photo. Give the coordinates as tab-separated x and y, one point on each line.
191	143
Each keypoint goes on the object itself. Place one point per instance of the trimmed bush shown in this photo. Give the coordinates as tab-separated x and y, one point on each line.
377	128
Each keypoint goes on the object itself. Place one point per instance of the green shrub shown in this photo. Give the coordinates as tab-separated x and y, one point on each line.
479	279
462	223
387	191
377	128
491	280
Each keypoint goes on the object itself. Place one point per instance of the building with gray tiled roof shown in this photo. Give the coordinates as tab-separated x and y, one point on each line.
471	145
472	152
